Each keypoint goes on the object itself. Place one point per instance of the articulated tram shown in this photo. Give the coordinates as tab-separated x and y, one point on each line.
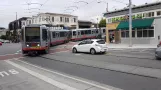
37	38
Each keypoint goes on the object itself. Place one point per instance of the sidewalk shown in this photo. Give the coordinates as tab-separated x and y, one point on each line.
134	46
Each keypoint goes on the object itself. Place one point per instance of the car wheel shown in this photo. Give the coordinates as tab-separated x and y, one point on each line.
103	52
93	51
74	50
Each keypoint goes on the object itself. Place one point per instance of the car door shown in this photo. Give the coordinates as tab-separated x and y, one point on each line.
81	46
87	46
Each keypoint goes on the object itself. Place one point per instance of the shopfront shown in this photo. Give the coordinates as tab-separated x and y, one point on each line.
144	31
112	35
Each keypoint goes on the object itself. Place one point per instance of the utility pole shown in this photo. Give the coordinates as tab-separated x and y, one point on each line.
16	27
130	23
97	22
107	8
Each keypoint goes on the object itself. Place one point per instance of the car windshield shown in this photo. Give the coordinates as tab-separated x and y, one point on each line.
101	42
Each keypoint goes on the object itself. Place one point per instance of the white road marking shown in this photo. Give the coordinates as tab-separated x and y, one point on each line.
18	51
3	73
7	73
7	54
42	77
92	84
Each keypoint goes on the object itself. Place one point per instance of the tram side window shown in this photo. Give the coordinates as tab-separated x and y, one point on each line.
89	31
82	32
78	32
96	31
62	34
53	34
92	32
104	30
74	33
44	34
86	32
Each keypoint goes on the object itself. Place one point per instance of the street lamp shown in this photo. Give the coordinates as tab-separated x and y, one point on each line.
130	23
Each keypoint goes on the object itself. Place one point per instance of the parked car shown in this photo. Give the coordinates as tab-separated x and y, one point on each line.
1	40
158	53
92	46
0	43
159	44
6	41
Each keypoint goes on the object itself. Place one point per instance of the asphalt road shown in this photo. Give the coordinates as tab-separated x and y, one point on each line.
135	61
112	78
10	48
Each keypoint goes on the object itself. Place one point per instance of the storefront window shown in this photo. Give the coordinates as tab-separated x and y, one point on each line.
127	33
133	33
123	34
145	33
139	33
151	33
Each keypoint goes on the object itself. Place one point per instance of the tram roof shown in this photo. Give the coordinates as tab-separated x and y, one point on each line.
34	25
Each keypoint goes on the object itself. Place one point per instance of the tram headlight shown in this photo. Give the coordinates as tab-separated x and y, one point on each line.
27	45
38	45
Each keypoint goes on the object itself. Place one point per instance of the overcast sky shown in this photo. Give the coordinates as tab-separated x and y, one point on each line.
8	8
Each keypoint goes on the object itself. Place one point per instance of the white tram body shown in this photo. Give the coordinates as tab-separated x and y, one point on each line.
80	34
59	36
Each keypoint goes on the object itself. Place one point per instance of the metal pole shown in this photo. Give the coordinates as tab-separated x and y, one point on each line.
97	23
107	8
16	27
130	23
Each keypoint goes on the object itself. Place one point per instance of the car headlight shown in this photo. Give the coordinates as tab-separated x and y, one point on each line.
27	45
38	45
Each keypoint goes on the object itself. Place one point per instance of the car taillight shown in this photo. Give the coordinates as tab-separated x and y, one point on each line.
160	43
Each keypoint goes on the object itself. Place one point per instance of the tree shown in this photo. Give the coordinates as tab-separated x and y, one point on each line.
3	37
102	23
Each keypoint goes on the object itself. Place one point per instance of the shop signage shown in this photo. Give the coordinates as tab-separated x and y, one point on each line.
126	18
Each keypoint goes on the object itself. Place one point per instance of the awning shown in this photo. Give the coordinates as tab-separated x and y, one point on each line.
138	23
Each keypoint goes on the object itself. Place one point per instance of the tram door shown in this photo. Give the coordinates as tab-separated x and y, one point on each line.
79	34
45	38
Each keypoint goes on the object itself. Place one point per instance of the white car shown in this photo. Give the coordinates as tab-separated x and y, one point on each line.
6	41
92	46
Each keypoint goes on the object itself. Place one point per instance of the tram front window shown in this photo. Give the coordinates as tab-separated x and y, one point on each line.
32	34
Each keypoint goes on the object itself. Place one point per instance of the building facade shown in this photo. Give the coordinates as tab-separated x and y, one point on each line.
146	28
55	19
